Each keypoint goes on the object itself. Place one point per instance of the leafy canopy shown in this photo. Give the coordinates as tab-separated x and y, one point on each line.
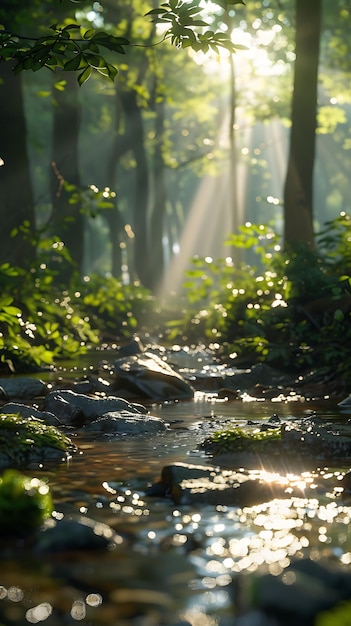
72	47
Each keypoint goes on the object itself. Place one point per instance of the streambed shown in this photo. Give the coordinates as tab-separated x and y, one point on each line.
174	565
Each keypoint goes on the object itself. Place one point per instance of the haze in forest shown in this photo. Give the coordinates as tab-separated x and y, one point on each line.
139	175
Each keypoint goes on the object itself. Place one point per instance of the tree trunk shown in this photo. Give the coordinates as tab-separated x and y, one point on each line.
68	219
298	191
16	195
134	132
159	200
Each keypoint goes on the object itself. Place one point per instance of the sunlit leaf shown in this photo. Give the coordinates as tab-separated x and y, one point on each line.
85	75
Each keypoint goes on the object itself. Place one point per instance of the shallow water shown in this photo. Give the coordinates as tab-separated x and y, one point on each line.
175	564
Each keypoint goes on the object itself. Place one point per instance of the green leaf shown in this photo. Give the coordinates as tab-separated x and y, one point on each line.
89	33
338	315
74	63
84	76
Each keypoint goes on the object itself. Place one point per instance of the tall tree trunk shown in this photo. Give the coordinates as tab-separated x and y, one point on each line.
16	194
68	219
233	161
113	216
159	200
134	132
298	191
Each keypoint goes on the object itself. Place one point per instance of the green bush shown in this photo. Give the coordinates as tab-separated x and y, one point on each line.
24	502
291	310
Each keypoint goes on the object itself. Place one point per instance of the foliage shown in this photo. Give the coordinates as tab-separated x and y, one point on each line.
72	47
42	321
115	309
183	21
37	320
339	615
293	313
24	502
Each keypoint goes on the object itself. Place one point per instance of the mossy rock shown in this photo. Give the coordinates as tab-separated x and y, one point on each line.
302	443
27	441
237	439
25	502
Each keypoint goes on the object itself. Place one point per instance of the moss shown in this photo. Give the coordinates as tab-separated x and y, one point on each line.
238	439
24	502
20	435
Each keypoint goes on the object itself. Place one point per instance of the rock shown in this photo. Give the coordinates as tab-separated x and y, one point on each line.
86	385
68	414
289	446
77	409
150	377
21	388
346	403
297	595
25	442
177	472
125	423
195	484
131	349
76	532
259	374
29	411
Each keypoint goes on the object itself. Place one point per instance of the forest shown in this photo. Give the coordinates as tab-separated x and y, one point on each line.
180	170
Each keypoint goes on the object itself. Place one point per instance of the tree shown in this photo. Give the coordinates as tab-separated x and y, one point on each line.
78	49
16	194
298	192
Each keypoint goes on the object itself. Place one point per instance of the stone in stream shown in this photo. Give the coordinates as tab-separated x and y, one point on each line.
125	423
297	595
107	415
21	387
287	446
77	409
29	411
148	376
76	532
27	442
204	485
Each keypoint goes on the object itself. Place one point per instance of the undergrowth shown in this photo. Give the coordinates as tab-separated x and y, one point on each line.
290	308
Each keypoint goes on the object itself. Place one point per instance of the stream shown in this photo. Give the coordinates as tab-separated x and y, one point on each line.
174	565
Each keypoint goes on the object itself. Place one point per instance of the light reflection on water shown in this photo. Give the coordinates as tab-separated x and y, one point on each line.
183	558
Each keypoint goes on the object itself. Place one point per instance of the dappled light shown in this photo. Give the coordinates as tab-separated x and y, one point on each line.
175	271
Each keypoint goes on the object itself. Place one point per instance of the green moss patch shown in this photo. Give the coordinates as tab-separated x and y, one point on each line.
19	437
239	440
25	502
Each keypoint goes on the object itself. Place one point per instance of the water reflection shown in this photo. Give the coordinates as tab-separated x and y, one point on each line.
174	563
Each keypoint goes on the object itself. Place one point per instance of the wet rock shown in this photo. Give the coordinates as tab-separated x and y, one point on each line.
68	414
195	484
29	411
21	388
131	349
259	374
297	595
87	385
345	405
27	442
76	532
76	409
177	472
125	423
289	446
149	376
